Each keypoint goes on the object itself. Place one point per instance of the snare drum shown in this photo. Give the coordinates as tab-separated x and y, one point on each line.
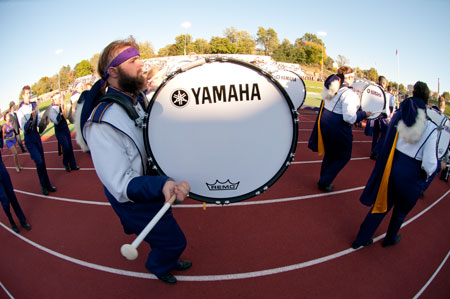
223	125
372	97
294	86
443	131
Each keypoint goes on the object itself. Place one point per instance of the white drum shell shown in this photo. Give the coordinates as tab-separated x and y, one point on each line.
294	86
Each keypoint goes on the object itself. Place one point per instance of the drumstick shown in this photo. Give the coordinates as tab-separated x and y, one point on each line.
129	251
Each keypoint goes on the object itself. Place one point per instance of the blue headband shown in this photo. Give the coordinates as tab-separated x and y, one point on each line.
121	58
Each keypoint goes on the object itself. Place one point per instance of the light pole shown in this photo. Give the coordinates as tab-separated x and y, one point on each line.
185	25
322	33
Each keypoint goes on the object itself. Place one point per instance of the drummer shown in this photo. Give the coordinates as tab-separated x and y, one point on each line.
28	117
381	124
118	153
405	163
62	134
338	114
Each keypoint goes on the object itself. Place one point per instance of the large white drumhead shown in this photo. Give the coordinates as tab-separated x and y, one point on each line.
373	100
294	86
224	127
443	139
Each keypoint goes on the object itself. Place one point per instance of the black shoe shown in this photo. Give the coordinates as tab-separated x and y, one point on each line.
52	189
67	168
15	228
183	265
26	226
373	156
326	188
356	245
44	191
387	243
167	278
76	168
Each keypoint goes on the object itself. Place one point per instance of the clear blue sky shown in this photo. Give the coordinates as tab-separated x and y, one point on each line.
367	33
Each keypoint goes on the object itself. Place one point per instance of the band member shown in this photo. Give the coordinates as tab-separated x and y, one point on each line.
118	153
62	134
381	124
8	198
406	162
10	138
28	117
332	135
12	110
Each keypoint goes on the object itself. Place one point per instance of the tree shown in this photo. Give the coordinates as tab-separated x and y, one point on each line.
446	95
83	68
372	75
221	45
267	39
341	60
181	41
169	50
310	37
200	46
242	40
94	62
44	85
146	50
66	76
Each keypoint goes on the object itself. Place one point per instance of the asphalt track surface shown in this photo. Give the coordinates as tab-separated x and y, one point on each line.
293	241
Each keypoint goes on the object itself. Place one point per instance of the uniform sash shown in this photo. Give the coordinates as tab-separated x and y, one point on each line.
380	205
321	147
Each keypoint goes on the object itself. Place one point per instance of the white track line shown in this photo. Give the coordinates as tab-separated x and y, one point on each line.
219	277
432	277
242	203
6	291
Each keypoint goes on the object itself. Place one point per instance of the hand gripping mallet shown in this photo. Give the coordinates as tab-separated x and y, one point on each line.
129	251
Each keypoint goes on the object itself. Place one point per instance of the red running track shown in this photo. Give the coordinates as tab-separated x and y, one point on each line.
293	241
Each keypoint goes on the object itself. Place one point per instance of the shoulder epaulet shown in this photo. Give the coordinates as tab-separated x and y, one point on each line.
99	111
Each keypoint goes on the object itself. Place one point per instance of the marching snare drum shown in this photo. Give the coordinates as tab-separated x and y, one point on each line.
372	97
223	125
294	86
443	131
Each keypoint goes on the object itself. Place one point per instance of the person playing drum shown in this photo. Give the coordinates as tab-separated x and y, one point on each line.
120	160
405	163
29	118
62	134
338	113
382	122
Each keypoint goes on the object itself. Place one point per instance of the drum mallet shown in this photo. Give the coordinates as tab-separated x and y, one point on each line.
129	251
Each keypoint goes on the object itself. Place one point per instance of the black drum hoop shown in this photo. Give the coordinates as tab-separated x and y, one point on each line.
222	201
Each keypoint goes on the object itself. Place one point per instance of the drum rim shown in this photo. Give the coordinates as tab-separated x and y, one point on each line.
221	59
384	100
303	82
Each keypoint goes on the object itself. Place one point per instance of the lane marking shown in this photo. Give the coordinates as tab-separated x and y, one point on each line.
6	291
432	276
242	203
218	277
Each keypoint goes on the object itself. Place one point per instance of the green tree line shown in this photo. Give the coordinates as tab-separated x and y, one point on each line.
308	50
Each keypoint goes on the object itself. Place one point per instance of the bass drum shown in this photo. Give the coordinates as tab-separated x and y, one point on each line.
223	125
294	85
372	97
443	131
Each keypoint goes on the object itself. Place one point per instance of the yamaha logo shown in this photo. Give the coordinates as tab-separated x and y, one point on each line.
180	98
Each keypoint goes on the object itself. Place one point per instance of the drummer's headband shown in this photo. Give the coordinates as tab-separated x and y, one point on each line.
121	58
349	75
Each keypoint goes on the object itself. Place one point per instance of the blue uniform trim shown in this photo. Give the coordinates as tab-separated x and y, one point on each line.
99	111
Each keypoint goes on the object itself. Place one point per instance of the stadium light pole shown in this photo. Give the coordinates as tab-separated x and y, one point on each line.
322	33
185	25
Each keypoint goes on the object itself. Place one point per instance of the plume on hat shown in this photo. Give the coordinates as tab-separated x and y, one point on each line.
331	86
